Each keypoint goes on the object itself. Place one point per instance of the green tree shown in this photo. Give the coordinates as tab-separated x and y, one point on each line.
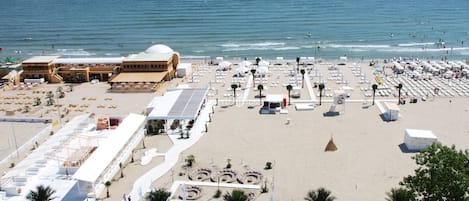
26	109
42	193
400	194
190	160
158	195
320	194
374	87
60	92
253	72
321	88
442	174
107	185
399	87
260	88
289	88
302	71
234	87
49	98
37	101
235	195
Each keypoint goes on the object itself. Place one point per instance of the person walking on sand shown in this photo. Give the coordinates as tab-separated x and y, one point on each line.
129	199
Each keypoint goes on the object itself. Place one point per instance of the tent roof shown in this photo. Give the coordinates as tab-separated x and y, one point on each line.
420	133
178	104
140	77
109	149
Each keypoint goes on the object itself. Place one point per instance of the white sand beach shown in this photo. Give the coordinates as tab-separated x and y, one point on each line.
369	160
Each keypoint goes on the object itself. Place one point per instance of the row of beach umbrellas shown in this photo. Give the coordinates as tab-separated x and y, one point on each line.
243	67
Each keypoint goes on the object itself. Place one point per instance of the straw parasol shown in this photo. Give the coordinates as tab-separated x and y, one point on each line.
330	146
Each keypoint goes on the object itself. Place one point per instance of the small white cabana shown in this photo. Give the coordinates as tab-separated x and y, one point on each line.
416	140
224	65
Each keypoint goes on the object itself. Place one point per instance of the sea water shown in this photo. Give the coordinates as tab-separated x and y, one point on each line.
237	28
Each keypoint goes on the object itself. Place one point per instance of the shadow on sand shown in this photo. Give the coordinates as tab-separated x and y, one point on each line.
330	114
404	149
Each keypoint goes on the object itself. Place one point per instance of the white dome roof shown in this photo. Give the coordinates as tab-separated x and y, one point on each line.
159	48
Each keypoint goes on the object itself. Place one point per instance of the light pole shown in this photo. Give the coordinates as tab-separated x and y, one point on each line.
14	139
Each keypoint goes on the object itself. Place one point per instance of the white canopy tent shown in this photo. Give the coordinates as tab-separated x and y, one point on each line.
177	104
245	63
224	65
262	70
109	149
263	63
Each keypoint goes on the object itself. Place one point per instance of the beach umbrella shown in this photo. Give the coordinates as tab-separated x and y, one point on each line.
242	69
245	63
263	63
330	146
262	70
224	65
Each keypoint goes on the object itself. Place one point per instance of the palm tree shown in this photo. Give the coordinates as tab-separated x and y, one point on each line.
235	195
253	72
400	194
258	60
374	87
234	87
297	64
158	195
42	193
289	88
302	71
107	185
260	88
321	88
399	87
321	194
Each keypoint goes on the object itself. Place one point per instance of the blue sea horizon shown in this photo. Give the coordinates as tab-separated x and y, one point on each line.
237	28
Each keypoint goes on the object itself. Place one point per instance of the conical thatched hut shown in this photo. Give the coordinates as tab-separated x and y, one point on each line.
330	146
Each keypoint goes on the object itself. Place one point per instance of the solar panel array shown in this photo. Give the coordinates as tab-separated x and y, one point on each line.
188	103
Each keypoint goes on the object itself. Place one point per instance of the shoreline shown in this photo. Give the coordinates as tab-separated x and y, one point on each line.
368	157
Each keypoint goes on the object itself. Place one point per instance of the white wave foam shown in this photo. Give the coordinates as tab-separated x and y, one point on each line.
287	48
453	50
414	44
253	45
356	46
74	52
230	45
195	57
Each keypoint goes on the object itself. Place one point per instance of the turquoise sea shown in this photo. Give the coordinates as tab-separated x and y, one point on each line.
237	28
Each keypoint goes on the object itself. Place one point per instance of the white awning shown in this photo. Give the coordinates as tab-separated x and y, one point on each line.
109	149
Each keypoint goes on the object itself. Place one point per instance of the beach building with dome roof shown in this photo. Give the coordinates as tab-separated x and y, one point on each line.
136	72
